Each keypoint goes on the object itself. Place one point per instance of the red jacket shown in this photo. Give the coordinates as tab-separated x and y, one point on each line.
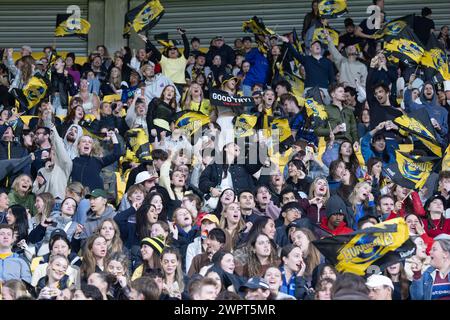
417	205
437	231
428	241
341	229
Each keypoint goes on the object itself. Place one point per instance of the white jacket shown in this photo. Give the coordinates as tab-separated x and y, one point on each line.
154	87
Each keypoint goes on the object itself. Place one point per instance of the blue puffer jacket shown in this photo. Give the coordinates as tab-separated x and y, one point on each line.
259	67
421	289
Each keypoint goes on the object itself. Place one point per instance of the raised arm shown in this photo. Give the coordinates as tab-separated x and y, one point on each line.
187	49
109	159
292	50
149	47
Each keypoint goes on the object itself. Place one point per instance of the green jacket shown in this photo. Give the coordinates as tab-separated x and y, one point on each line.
27	202
335	117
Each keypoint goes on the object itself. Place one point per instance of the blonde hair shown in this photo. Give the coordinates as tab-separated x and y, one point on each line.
313	186
188	97
49	202
15	184
353	195
231	238
17	287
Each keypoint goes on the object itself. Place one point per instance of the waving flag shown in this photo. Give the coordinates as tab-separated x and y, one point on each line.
67	26
143	17
332	8
446	160
191	121
435	59
410	171
378	246
407	47
418	124
394	28
319	35
33	93
256	26
244	125
315	109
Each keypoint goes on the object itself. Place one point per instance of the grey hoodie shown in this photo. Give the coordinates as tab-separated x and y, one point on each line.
93	221
71	148
56	177
433	108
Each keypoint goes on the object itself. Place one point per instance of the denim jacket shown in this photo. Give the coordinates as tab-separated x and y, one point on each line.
421	289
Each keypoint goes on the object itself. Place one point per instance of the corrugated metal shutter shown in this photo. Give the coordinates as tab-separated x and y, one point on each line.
25	22
207	18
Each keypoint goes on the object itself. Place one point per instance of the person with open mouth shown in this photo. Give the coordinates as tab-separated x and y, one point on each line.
363	203
56	280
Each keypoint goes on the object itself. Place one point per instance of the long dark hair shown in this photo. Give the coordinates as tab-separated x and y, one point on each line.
153	193
257	228
353	165
219	208
21	224
403	279
143	226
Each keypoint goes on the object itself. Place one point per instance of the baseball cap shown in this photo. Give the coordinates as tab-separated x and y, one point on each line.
58	232
218	38
377	280
442	236
255	283
97	193
348	22
211	217
144	176
227	77
434	197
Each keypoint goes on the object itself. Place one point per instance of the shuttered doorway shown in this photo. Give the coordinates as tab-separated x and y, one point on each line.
25	22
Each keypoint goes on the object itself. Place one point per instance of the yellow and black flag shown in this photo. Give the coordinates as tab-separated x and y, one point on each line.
32	94
446	160
319	35
296	41
143	17
244	125
418	124
191	122
410	171
315	109
256	26
68	26
281	133
435	60
393	28
373	248
407	47
330	9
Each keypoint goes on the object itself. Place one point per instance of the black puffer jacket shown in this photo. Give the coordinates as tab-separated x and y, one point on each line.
64	85
241	176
